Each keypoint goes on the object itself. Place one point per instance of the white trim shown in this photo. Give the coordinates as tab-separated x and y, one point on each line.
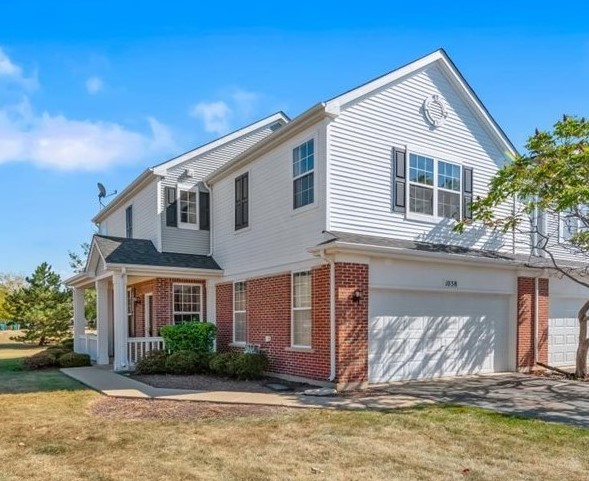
138	269
294	178
293	309
235	342
434	217
147	323
456	77
162	169
192	284
183	187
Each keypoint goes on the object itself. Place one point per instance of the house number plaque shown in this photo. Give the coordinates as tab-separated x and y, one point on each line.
450	283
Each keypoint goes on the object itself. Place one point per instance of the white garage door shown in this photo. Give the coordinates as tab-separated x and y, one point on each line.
422	334
563	331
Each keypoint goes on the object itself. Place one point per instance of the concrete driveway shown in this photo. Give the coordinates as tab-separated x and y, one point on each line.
561	401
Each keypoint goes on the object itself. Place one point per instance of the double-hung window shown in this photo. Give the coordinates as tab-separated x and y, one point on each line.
434	187
129	222
187	303
239	313
303	171
301	309
188	206
131	311
572	221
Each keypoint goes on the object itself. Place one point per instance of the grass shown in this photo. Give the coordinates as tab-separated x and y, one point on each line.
54	435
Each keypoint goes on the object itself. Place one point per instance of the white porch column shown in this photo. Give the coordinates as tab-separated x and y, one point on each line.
119	280
79	319
102	320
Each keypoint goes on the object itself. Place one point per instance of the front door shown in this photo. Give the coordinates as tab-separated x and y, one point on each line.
149	326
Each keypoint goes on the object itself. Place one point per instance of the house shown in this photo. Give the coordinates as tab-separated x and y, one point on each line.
327	241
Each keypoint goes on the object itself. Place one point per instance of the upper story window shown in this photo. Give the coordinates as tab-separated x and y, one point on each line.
187	303
129	222
188	206
303	171
242	201
571	222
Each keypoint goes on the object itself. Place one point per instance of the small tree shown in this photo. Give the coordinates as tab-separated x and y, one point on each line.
78	263
551	181
42	306
8	284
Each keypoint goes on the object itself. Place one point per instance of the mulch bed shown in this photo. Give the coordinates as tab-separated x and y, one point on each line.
145	409
199	382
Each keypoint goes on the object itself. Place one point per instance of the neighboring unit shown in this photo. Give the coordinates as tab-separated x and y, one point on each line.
327	241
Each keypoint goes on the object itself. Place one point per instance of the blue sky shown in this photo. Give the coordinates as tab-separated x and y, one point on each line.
97	91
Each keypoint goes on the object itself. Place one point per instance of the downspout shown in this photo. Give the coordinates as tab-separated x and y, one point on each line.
211	238
536	305
332	331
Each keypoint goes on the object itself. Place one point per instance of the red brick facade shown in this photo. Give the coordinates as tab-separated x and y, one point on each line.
161	288
526	306
352	323
269	304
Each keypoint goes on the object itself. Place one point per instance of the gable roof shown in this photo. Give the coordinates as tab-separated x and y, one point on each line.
449	67
141	252
332	108
152	173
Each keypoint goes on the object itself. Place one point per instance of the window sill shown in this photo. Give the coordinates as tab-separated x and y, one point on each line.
305	208
429	219
243	230
299	349
237	344
187	226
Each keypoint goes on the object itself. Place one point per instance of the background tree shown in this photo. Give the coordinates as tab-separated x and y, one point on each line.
8	284
551	179
78	263
43	306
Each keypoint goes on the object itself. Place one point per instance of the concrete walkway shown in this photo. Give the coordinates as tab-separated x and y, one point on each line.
116	385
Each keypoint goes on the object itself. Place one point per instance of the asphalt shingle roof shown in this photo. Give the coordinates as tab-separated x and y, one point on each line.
119	250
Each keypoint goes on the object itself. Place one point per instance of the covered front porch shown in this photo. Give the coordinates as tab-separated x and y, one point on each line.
134	301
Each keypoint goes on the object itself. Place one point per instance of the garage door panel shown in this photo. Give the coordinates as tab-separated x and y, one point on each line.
563	330
445	334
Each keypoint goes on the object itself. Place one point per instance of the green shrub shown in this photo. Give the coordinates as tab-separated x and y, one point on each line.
67	344
152	363
41	360
190	336
74	359
223	364
250	366
57	351
183	362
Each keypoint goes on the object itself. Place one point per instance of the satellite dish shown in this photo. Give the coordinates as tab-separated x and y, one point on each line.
102	193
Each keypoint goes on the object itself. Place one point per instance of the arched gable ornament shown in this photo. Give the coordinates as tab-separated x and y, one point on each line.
435	110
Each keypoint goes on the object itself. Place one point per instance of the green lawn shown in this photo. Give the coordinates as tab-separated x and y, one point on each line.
52	429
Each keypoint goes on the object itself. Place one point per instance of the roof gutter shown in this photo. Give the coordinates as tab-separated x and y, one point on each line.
300	123
141	181
407	254
156	270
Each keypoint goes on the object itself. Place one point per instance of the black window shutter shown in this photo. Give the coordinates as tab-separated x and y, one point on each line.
467	192
171	207
399	179
241	201
204	210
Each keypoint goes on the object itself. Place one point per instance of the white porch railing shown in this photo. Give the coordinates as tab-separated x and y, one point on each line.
89	345
138	347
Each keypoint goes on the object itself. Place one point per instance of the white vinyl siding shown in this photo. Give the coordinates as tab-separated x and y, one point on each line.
277	236
239	313
195	241
144	212
301	309
361	140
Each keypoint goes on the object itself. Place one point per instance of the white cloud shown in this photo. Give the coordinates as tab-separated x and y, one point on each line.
94	85
11	72
215	116
56	141
219	116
